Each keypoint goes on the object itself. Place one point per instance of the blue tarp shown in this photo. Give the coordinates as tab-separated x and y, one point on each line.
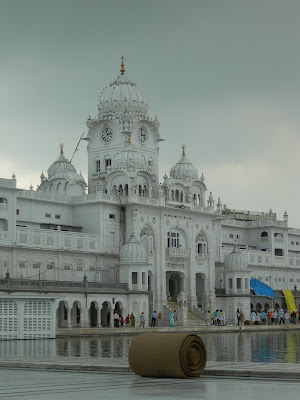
261	288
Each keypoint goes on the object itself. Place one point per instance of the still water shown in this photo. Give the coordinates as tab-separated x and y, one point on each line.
283	347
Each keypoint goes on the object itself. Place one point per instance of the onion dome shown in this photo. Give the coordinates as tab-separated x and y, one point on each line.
62	168
129	158
133	251
184	169
236	259
122	94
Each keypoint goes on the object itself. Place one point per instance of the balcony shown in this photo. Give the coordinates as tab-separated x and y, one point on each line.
177	253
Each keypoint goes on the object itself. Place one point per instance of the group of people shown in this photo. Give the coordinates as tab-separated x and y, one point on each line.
274	317
216	318
130	320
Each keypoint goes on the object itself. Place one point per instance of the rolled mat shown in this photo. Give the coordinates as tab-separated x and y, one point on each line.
167	355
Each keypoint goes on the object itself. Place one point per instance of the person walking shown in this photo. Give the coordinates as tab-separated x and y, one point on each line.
171	319
159	320
276	317
253	316
132	320
153	319
116	319
287	317
142	320
238	316
242	318
263	318
281	316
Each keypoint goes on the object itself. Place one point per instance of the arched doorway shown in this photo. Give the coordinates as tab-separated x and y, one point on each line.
266	307
119	308
106	314
62	314
200	289
258	307
76	314
175	284
93	314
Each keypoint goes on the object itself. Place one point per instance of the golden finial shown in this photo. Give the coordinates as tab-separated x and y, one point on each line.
155	117
122	65
61	149
129	140
183	150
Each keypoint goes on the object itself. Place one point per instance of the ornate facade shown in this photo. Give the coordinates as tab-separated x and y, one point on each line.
129	242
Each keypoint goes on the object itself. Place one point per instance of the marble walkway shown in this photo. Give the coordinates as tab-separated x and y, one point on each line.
213	368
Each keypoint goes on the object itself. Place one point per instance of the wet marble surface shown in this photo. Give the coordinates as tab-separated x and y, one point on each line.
48	385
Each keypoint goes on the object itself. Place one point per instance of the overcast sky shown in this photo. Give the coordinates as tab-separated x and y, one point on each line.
222	77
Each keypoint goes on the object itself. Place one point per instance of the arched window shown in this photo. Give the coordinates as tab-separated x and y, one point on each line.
98	166
140	190
181	197
173	196
264	234
199	200
201	244
278	235
195	199
176	195
120	190
126	190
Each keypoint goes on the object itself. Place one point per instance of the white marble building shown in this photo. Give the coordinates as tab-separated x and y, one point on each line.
129	242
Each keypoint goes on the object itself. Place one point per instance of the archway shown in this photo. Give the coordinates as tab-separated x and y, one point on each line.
62	314
119	308
200	289
106	314
266	307
76	314
175	284
258	307
93	314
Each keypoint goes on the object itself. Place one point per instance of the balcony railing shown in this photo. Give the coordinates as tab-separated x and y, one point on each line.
175	252
61	286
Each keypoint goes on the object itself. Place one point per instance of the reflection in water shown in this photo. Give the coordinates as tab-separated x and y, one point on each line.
270	347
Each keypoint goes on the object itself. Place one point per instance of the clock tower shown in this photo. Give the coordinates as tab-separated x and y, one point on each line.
123	142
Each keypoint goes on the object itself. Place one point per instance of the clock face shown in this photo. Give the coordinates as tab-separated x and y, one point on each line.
142	135
107	134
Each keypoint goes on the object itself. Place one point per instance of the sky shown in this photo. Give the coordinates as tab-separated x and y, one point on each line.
221	76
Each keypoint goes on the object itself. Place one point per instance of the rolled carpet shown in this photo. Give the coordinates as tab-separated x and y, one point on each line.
167	355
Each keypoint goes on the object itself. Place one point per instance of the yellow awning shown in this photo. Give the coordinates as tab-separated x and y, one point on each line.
290	301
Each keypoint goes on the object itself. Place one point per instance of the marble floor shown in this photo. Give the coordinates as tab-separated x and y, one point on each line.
62	385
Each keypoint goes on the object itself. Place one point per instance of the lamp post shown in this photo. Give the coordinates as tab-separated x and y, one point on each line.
295	290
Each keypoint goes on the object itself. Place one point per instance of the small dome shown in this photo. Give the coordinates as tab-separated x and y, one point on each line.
184	169
129	158
62	168
122	94
133	251
236	259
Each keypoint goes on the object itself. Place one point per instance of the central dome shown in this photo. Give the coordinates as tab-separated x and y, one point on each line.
120	95
184	169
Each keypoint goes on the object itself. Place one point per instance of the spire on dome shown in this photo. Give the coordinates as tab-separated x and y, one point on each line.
183	150
129	138
61	149
122	69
